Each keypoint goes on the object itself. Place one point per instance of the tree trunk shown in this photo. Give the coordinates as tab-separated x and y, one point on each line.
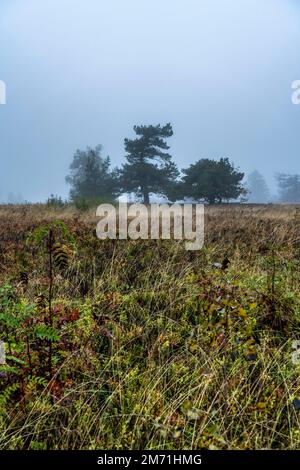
146	196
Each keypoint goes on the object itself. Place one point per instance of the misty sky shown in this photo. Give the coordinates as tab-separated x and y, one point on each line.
83	72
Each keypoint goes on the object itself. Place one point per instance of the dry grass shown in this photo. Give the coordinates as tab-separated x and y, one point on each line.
165	350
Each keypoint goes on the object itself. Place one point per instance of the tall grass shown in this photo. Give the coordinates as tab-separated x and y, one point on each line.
168	351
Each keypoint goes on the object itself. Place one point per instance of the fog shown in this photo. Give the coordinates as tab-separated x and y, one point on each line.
81	73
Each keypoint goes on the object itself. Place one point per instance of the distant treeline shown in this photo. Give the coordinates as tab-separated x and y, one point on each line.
150	170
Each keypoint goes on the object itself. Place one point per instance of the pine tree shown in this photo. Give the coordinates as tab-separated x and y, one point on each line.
149	168
289	188
258	191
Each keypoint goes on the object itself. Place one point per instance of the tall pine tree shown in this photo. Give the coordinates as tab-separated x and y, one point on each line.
149	168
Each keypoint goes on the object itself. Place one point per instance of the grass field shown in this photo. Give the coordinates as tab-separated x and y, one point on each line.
144	345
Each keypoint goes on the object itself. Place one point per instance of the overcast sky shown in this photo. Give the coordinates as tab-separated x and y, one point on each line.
83	72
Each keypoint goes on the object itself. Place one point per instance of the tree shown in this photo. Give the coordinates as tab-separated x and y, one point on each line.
148	169
212	181
257	188
289	187
90	176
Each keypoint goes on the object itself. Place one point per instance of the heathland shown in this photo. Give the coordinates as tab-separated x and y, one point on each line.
144	345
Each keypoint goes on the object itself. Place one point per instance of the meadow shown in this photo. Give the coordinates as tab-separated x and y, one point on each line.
144	345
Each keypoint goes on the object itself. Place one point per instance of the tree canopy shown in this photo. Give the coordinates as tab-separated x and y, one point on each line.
258	191
289	187
149	168
90	176
212	181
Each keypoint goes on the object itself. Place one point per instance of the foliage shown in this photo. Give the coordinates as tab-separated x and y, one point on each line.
90	176
149	346
55	201
212	181
258	191
289	188
149	169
